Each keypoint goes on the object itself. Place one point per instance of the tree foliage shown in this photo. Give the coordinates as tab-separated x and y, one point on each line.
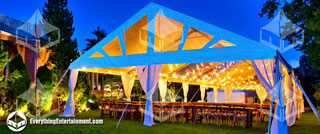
57	13
99	33
6	81
21	84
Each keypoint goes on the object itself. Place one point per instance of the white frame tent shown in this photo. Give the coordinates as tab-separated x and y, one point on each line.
144	58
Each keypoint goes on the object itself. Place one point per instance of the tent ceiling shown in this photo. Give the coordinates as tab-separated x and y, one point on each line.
224	75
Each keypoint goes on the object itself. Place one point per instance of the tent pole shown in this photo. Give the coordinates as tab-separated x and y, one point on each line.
194	95
60	80
272	98
178	92
305	95
125	109
300	87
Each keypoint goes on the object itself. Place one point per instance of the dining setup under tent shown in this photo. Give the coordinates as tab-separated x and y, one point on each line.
158	45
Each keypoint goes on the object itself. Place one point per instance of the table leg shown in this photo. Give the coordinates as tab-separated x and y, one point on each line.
251	116
187	114
247	118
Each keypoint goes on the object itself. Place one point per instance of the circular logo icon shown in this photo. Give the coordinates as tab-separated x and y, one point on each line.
16	121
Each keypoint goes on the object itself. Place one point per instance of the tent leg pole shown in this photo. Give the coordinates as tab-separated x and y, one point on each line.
194	95
301	89
272	99
305	95
60	80
271	111
124	109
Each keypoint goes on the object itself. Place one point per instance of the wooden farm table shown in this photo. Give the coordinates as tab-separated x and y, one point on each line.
189	107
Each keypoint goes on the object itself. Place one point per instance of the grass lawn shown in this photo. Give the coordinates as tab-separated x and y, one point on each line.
307	124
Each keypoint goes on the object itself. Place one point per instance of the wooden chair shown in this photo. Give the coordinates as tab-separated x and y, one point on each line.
241	116
201	112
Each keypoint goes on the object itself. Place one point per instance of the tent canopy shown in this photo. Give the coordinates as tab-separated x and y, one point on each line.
158	35
190	50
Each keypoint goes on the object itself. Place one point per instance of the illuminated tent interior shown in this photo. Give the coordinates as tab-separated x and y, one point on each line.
159	44
222	75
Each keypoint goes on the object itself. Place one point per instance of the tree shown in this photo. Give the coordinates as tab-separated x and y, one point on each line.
56	13
6	102
99	33
305	14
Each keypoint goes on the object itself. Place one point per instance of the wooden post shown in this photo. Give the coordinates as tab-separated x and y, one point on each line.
92	81
97	81
102	82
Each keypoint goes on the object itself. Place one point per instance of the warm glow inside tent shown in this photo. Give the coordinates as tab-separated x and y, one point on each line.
159	44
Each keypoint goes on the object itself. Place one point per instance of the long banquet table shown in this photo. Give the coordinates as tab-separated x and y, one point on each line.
188	108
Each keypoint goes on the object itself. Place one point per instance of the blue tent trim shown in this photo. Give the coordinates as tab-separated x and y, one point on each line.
244	49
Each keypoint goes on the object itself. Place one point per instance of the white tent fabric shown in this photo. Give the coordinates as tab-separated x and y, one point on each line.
265	73
290	106
227	94
185	87
210	96
69	109
279	122
203	92
270	80
127	82
298	100
163	89
148	77
262	94
215	94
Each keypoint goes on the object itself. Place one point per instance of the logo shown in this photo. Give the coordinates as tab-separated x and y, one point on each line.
35	31
16	121
276	32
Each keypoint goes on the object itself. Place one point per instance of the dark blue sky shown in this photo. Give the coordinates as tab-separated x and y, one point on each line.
238	16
